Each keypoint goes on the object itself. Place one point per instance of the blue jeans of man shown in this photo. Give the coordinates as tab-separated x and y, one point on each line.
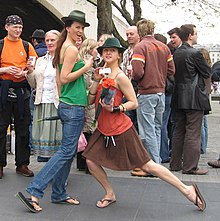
149	115
204	134
58	167
164	148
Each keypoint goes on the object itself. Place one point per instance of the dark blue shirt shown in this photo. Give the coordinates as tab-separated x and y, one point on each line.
41	49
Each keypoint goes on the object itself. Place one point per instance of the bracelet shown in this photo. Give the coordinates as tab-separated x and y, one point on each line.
116	109
123	107
92	93
96	80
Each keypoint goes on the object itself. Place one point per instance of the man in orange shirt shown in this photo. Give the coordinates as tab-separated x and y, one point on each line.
14	95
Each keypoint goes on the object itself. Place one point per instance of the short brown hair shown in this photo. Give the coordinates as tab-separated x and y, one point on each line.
161	38
174	31
186	30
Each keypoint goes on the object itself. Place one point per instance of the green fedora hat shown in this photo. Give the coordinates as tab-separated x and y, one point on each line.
111	43
78	16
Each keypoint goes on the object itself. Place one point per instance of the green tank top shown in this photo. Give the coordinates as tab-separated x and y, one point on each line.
74	93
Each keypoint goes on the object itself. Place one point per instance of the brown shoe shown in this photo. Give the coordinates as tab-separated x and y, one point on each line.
196	172
23	170
1	172
141	173
214	164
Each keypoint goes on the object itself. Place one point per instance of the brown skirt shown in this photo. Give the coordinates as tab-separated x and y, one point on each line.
120	152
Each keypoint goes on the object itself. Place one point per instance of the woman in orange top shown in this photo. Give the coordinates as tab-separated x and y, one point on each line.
115	144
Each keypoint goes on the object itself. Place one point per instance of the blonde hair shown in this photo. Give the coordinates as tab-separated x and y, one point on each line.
87	46
145	27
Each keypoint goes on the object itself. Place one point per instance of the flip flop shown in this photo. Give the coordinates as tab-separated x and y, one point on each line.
200	197
109	202
27	202
67	202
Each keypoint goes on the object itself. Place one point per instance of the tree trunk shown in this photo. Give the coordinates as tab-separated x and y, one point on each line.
104	15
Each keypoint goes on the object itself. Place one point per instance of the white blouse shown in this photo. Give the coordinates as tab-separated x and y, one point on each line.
48	85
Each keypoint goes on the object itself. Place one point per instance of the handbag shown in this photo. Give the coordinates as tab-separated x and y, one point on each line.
82	143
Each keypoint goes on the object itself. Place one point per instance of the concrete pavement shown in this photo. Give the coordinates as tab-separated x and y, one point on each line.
137	198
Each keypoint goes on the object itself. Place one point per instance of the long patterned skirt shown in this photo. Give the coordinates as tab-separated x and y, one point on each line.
46	135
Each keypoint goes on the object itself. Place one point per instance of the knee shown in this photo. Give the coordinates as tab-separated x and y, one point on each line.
89	163
149	167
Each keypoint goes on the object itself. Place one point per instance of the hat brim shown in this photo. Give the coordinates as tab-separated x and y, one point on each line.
64	19
120	49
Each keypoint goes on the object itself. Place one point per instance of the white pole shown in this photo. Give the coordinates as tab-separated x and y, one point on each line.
12	139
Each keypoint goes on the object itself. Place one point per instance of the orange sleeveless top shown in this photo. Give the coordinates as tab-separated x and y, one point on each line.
109	123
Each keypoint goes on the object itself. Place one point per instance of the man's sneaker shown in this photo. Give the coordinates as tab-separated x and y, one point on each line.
23	170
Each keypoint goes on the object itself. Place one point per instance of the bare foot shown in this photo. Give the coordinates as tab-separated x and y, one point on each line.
73	201
35	203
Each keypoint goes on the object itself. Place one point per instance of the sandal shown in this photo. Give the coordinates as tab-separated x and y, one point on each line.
66	201
28	203
199	196
108	202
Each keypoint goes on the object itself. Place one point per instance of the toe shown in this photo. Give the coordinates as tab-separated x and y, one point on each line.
36	207
73	201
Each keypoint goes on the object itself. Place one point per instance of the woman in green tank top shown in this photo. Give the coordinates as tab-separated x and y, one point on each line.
73	100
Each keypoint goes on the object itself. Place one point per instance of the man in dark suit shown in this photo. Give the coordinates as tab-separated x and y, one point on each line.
190	100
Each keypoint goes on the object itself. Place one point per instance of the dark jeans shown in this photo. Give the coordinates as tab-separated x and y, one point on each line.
164	146
22	150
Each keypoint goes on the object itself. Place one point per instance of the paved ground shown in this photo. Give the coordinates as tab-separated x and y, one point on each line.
137	198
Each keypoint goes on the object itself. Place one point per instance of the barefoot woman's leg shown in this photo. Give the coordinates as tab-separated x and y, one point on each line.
101	176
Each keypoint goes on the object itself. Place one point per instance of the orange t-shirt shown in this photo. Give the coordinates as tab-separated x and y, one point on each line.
14	54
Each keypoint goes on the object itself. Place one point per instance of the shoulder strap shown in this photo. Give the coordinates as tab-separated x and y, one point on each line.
65	50
26	47
120	72
1	47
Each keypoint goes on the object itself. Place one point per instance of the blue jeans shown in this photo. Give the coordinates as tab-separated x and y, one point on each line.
164	148
204	134
149	115
58	167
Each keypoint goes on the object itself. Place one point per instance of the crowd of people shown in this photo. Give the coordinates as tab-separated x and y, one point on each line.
137	116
